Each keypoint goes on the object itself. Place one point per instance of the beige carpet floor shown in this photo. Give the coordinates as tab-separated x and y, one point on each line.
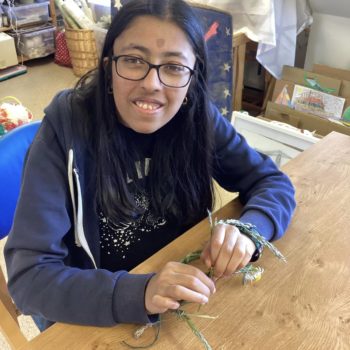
35	89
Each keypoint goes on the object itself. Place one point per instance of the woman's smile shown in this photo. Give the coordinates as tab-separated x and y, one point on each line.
147	105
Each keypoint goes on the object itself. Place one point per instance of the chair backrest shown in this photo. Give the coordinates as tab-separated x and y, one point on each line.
13	149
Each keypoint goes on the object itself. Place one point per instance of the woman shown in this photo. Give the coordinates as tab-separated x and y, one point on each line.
124	164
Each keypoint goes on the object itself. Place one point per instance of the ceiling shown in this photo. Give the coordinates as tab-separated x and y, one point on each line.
334	7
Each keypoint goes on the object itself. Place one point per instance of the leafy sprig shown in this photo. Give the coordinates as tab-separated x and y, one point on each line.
250	274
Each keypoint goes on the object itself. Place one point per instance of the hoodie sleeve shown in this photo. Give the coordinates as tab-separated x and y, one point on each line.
266	193
42	281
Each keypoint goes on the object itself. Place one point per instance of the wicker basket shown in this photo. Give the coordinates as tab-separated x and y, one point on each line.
82	50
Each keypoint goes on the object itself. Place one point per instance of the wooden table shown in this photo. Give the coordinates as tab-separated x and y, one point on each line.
304	304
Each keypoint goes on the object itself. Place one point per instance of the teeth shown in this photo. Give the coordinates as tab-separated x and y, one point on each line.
147	106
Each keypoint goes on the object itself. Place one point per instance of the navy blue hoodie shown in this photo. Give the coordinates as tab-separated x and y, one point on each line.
52	252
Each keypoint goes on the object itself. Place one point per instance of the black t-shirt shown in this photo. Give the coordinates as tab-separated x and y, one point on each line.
124	245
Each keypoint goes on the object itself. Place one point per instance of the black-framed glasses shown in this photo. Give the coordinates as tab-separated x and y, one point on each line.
169	74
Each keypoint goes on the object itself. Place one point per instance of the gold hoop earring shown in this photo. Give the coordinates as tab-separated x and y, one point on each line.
185	101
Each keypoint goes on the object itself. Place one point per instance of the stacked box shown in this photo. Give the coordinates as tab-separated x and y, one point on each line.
27	14
36	42
317	109
8	55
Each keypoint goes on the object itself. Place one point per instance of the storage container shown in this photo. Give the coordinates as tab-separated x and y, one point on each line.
36	43
8	55
26	14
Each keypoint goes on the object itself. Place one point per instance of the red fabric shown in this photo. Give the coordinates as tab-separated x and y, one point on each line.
62	54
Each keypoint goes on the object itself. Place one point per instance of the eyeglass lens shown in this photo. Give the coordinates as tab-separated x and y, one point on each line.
134	68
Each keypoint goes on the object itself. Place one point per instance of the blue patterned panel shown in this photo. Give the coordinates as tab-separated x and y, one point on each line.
217	26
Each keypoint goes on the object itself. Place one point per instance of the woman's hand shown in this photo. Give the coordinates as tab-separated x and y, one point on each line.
176	282
227	251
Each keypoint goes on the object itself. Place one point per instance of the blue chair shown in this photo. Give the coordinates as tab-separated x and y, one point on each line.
13	148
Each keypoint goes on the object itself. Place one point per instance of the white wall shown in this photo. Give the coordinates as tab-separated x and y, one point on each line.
329	42
339	8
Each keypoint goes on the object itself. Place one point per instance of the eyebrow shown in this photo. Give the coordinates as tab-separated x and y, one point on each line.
145	50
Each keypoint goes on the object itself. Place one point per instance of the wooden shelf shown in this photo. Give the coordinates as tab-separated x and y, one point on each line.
52	19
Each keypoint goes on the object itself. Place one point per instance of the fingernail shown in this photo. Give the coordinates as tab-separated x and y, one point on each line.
204	300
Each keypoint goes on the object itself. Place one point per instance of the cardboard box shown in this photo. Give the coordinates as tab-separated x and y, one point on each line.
298	76
8	56
279	86
342	74
345	92
318	103
302	120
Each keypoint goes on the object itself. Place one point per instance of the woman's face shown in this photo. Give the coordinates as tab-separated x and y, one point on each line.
147	105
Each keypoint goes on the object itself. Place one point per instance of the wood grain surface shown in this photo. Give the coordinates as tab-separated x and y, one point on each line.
303	304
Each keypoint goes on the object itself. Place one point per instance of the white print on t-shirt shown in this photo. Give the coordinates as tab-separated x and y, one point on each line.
139	170
119	238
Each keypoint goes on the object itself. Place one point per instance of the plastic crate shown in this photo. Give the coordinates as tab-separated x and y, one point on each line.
36	43
26	14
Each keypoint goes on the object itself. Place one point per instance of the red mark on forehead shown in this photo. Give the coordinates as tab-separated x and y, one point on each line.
160	43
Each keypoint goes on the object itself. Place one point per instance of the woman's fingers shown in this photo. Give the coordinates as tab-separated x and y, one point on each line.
192	283
216	242
178	292
177	282
227	251
162	304
237	258
205	255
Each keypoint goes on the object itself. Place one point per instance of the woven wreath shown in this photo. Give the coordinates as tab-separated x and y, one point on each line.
13	114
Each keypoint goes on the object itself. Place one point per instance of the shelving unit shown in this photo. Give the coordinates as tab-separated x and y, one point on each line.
52	19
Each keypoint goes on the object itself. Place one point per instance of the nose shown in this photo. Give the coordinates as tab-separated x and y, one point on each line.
151	80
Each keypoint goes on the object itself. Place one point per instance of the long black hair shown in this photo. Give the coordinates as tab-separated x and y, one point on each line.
180	175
